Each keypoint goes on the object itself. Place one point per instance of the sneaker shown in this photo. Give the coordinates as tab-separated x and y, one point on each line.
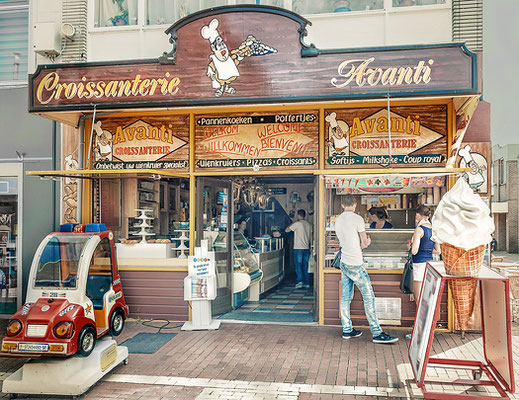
409	336
385	339
306	286
299	285
353	333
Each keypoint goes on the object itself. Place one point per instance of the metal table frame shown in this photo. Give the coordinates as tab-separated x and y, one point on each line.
496	333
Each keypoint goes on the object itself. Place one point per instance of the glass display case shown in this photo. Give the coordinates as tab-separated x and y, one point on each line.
246	272
244	259
388	249
243	254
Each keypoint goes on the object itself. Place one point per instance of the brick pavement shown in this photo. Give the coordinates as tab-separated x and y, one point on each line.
273	361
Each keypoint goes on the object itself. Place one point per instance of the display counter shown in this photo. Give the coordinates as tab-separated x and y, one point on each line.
154	287
174	264
384	260
271	263
388	248
246	275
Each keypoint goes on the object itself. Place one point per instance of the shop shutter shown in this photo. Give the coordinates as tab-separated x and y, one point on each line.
75	12
14	28
467	23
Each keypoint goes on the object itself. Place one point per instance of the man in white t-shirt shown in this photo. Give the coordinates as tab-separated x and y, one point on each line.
351	232
302	240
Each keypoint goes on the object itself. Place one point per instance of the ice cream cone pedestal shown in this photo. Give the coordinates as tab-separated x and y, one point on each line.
497	368
71	376
464	264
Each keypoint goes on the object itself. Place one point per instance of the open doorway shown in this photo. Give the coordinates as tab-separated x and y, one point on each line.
265	285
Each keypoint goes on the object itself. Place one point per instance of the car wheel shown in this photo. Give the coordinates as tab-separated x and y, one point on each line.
117	323
86	341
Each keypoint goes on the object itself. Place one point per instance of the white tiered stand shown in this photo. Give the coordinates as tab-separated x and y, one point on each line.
143	225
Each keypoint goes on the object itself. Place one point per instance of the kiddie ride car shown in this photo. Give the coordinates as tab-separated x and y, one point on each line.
74	297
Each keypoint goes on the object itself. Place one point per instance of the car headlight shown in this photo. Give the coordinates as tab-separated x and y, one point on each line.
64	330
14	327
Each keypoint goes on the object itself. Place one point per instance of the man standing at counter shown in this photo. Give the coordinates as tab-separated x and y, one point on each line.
302	238
351	232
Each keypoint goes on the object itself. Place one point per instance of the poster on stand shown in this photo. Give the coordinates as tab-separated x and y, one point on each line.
422	330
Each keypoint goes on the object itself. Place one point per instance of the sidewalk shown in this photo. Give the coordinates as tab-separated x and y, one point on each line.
507	257
246	361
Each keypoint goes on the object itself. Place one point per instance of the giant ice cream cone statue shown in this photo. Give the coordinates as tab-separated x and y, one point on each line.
463	227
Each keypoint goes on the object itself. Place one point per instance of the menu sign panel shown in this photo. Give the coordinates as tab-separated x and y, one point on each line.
141	143
257	141
402	136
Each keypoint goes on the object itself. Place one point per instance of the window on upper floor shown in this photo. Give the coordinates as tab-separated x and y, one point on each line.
408	3
166	12
14	33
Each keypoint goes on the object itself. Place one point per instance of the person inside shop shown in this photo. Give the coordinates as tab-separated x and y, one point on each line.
302	242
242	227
379	218
351	232
422	247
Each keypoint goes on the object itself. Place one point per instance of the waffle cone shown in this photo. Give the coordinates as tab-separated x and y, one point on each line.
463	293
464	263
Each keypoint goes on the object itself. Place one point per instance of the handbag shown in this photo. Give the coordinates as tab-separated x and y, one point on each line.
336	263
406	284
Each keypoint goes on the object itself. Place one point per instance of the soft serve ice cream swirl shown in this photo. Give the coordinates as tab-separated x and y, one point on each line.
462	218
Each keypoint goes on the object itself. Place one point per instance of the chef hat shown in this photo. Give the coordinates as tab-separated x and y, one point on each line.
331	119
210	32
97	128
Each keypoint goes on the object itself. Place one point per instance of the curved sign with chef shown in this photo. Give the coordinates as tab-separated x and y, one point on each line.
223	64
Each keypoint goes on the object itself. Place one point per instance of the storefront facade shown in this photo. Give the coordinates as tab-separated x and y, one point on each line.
236	102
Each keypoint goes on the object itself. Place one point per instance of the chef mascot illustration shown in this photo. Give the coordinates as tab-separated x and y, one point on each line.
103	148
338	138
478	166
223	65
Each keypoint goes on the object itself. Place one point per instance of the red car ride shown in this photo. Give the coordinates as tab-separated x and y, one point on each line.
74	295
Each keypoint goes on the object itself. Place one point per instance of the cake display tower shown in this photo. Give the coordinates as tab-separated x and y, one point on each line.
143	233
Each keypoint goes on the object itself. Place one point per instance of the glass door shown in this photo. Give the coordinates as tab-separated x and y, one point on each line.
8	244
214	222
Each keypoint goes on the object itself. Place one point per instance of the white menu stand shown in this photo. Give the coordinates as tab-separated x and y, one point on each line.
201	270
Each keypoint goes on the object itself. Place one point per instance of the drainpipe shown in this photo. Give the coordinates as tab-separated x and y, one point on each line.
81	166
55	192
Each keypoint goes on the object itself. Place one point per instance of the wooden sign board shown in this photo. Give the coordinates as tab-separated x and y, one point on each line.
360	137
252	54
257	141
151	142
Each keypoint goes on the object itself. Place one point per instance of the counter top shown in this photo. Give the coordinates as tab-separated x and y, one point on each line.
150	264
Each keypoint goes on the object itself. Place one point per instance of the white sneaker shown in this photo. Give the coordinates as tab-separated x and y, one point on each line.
306	286
299	285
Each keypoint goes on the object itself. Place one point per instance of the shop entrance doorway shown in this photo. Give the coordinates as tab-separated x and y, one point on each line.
261	268
214	223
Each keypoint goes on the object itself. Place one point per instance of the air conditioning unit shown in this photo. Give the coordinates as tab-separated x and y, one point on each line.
46	39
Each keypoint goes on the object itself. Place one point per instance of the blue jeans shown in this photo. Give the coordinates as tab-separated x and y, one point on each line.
356	274
301	257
